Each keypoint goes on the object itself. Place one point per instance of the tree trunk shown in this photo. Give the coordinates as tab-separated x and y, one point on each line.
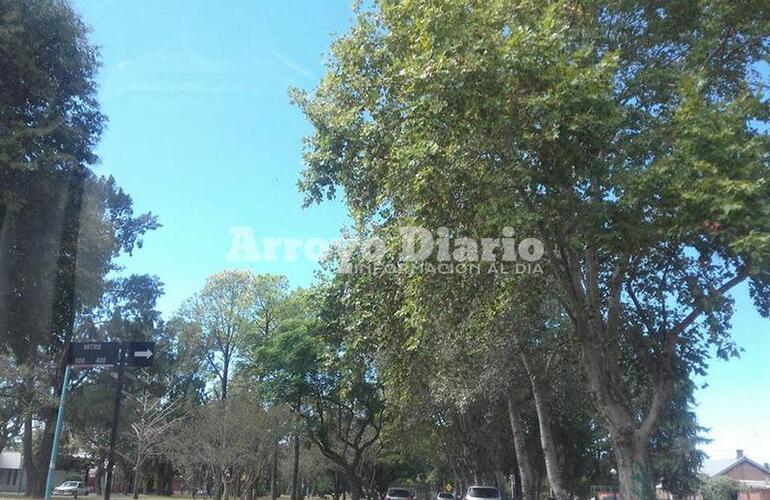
337	487
295	493
41	456
98	477
634	471
137	472
3	214
167	477
274	474
225	374
355	485
501	483
4	434
30	468
35	472
62	323
630	439
552	466
526	474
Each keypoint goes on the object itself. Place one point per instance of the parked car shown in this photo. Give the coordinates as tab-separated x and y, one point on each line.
443	495
399	494
71	488
483	493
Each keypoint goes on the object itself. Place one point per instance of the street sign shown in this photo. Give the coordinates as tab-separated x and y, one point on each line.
93	353
140	354
120	354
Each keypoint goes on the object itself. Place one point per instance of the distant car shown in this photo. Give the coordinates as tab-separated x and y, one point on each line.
71	488
445	496
399	494
483	493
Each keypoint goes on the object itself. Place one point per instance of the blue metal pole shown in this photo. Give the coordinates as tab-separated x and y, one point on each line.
57	434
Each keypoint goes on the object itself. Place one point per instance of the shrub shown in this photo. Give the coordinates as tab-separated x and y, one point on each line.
720	488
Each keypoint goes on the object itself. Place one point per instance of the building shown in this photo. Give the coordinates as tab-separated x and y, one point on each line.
753	477
12	478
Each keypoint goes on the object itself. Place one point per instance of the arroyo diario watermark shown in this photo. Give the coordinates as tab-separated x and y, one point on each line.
419	249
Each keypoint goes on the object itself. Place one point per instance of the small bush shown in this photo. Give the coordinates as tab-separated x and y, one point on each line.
720	488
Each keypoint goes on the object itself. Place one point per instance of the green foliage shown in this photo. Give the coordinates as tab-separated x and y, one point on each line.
289	363
720	488
36	240
50	115
675	447
62	227
631	140
235	310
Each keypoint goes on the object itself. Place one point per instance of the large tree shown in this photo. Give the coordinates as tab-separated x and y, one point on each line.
233	307
628	137
49	116
61	227
228	442
314	364
288	365
54	276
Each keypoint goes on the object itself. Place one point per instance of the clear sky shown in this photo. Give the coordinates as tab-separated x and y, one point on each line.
201	131
202	134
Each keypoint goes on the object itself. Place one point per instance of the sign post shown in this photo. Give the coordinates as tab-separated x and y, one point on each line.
56	434
134	354
115	417
87	354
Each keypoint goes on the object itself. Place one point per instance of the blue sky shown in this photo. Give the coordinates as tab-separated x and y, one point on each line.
202	134
201	131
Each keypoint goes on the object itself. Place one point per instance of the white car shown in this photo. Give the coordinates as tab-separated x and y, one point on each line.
71	488
399	494
483	493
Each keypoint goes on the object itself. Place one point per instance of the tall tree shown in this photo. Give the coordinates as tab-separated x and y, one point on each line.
60	227
312	364
233	308
49	116
289	364
622	135
58	254
230	442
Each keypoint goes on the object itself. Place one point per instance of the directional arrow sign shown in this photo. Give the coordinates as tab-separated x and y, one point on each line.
140	354
93	353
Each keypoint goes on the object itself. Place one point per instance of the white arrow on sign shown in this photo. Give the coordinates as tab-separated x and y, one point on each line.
143	354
